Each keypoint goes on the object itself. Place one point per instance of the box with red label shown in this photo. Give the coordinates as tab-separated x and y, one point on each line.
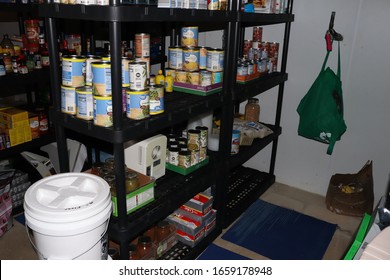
210	221
189	232
199	205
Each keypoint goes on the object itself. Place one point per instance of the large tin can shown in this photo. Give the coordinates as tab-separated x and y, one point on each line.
216	77
175	57
125	71
191	59
189	36
147	61
73	70
84	102
102	110
137	104
68	100
203	58
88	68
215	60
193	136
156	99
257	34
137	74
212	4
205	78
101	78
142	45
193	78
181	76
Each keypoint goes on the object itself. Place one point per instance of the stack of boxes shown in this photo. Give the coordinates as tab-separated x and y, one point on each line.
195	219
14	127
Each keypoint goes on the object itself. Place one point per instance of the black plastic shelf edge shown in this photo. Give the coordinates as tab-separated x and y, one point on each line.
129	13
250	19
18	7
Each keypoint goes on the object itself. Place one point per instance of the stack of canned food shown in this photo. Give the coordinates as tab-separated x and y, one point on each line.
191	4
193	64
86	90
189	149
258	56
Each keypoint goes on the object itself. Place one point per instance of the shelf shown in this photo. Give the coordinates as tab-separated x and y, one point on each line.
247	152
171	191
178	107
252	19
257	86
18	82
18	7
246	185
128	13
35	143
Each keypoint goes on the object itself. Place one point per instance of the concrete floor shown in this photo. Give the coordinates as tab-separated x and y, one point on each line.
15	244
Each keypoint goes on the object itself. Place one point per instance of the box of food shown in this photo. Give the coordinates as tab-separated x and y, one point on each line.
188	231
196	89
12	117
199	205
185	171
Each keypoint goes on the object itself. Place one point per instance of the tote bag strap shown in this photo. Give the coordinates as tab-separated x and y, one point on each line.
338	61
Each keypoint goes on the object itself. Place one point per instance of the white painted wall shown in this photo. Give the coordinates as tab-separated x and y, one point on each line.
365	26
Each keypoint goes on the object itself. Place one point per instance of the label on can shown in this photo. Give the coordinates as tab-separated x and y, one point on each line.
181	76
137	75
101	78
205	78
193	136
193	78
102	110
212	4
142	45
174	156
73	71
156	99
84	103
203	58
125	71
203	135
215	60
216	77
195	154
147	61
137	104
185	159
235	142
191	58
68	100
88	68
175	57
189	36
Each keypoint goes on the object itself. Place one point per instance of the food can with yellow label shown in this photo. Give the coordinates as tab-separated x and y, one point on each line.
189	36
73	70
193	78
137	104
181	76
191	58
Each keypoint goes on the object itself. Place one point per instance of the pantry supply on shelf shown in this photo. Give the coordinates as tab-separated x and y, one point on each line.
84	103
68	100
215	60
137	74
169	82
137	104
142	45
175	57
73	70
101	78
235	142
252	110
160	78
191	58
250	131
88	67
189	36
156	99
102	110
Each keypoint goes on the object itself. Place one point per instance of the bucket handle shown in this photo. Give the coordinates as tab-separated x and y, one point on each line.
43	257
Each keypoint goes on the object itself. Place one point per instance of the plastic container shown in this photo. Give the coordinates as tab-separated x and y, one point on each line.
67	216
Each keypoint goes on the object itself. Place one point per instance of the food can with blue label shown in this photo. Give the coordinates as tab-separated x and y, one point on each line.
203	58
189	36
73	70
68	100
125	71
156	99
88	68
205	78
191	58
215	59
137	74
137	104
175	57
102	110
84	102
101	78
216	77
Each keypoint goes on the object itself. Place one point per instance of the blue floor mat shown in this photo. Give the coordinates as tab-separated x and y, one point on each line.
20	218
214	252
280	234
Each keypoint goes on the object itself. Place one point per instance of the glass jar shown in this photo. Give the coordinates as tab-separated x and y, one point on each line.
96	168
144	246
133	254
252	110
163	230
131	182
7	45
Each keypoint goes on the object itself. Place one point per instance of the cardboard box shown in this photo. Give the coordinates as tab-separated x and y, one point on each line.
199	205
9	117
17	135
210	221
189	232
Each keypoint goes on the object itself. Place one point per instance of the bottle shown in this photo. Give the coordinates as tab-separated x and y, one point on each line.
160	78
43	122
133	254
169	82
163	231
43	51
144	246
252	110
7	45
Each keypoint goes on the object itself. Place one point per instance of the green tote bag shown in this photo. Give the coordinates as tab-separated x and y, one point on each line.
321	110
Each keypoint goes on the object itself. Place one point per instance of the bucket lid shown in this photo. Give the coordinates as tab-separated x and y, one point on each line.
67	197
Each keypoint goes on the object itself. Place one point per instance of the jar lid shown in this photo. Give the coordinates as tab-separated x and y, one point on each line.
144	239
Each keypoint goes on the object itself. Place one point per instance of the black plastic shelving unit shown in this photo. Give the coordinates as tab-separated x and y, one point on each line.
172	190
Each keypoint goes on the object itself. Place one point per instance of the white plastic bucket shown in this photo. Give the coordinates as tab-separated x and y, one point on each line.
67	216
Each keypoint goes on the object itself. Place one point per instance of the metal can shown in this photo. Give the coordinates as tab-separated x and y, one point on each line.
236	134
84	103
106	57
101	78
273	50
156	99
142	45
181	76
137	104
215	60
137	74
175	57
195	154
189	36
102	110
203	58
147	61
212	4
185	159
205	78
193	78
257	34
203	135
216	77
88	68
246	47
223	6
73	70
191	59
174	156
125	71
68	100
193	142
202	153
